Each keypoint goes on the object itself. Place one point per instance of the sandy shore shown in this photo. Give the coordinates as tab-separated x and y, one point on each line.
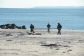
20	43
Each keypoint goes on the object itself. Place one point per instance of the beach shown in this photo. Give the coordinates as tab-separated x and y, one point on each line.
18	42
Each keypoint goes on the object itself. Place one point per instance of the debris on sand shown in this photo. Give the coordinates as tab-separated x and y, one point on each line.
29	33
66	46
8	34
37	34
8	40
57	49
64	52
49	45
69	50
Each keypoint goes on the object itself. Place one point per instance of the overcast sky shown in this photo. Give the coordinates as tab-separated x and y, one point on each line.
39	3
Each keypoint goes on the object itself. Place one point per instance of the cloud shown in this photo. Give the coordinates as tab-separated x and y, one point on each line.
36	3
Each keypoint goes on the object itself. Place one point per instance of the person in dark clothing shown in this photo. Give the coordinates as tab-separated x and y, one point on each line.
32	28
48	27
59	27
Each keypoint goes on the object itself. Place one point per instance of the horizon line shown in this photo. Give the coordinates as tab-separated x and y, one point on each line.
44	7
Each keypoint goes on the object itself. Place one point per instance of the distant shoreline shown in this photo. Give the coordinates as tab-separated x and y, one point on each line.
54	7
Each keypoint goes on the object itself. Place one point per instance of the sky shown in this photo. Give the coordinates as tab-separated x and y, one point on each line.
39	3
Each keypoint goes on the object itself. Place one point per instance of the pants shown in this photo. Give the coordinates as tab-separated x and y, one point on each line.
59	31
32	30
48	29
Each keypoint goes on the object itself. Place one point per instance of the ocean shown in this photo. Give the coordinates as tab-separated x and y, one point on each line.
69	18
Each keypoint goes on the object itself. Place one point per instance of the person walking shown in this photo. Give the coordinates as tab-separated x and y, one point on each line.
59	27
48	27
32	28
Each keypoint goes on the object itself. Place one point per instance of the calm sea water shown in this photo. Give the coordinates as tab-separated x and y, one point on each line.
69	18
